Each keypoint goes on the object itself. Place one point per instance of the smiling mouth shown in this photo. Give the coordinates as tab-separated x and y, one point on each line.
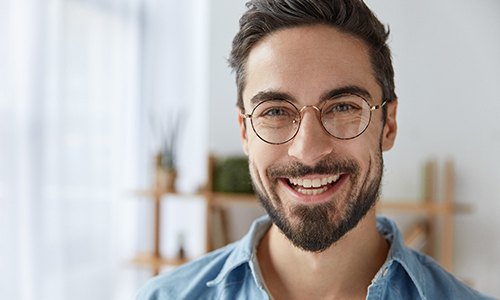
313	186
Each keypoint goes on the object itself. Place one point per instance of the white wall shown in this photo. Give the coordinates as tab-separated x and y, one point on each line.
447	62
446	55
223	129
174	74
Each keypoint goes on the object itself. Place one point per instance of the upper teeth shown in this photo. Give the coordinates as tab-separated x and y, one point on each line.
316	182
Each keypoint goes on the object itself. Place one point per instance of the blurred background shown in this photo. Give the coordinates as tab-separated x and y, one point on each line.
92	90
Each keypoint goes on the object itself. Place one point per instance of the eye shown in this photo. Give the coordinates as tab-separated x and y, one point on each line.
342	107
276	112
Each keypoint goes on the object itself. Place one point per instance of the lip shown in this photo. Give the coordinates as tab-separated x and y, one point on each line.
313	199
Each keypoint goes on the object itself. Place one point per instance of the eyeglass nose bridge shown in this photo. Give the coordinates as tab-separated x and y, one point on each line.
309	106
301	112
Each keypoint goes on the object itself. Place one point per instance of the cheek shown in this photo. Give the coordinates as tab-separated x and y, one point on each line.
372	153
373	134
372	140
263	155
365	149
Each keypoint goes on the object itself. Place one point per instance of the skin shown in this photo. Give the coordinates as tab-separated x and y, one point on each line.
305	63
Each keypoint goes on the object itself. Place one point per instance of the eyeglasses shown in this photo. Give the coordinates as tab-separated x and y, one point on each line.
346	116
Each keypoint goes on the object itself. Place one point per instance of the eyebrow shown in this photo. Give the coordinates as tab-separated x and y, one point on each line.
270	95
350	89
277	95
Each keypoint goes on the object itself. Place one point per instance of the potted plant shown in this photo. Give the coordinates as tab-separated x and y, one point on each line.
166	156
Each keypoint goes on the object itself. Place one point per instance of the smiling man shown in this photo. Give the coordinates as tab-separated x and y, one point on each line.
316	110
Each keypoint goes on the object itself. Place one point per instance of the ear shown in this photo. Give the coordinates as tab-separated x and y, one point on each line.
243	131
391	126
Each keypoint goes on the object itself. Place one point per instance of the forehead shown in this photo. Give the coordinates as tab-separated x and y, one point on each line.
307	62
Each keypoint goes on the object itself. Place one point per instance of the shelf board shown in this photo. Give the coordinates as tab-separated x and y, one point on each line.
155	262
409	206
232	198
152	194
432	208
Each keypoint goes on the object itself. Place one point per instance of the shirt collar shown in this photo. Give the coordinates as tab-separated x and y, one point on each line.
401	255
244	252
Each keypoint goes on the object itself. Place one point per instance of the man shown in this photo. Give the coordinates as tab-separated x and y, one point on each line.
317	108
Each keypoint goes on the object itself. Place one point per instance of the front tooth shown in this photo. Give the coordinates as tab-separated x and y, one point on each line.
335	178
316	183
306	183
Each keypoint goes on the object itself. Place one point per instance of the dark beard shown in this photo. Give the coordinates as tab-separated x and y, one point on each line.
320	226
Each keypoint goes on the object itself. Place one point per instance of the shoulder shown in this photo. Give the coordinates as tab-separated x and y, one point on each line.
188	281
436	283
419	274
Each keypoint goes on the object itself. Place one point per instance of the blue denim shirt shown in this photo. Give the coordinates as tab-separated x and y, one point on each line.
233	272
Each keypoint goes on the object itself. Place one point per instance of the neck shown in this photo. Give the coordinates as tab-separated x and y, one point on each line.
343	271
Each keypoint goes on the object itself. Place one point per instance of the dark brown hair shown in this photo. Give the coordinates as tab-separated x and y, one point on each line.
349	16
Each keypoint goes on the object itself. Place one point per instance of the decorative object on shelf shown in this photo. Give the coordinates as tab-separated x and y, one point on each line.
164	177
181	253
231	175
167	132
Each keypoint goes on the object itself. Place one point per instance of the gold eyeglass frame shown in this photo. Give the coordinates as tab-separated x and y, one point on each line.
319	110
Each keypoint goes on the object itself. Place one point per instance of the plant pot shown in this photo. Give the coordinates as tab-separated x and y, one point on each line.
165	180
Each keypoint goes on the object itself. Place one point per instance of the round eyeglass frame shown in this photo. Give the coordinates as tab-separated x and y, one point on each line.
319	110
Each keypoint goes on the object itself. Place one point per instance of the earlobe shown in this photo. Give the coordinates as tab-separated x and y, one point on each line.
390	127
243	131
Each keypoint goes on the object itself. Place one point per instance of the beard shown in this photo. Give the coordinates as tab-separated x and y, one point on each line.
314	228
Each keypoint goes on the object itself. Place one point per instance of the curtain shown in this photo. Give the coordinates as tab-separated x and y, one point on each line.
70	148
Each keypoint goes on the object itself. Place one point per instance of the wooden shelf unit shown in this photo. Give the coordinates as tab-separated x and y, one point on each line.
436	229
429	206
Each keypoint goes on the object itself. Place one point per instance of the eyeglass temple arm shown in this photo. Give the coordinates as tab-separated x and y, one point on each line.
246	116
374	107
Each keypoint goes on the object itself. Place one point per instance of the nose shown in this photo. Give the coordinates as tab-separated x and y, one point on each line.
312	142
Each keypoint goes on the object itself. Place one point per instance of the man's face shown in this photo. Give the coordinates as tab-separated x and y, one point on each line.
304	64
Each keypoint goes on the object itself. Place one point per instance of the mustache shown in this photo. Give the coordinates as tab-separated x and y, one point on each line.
325	166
